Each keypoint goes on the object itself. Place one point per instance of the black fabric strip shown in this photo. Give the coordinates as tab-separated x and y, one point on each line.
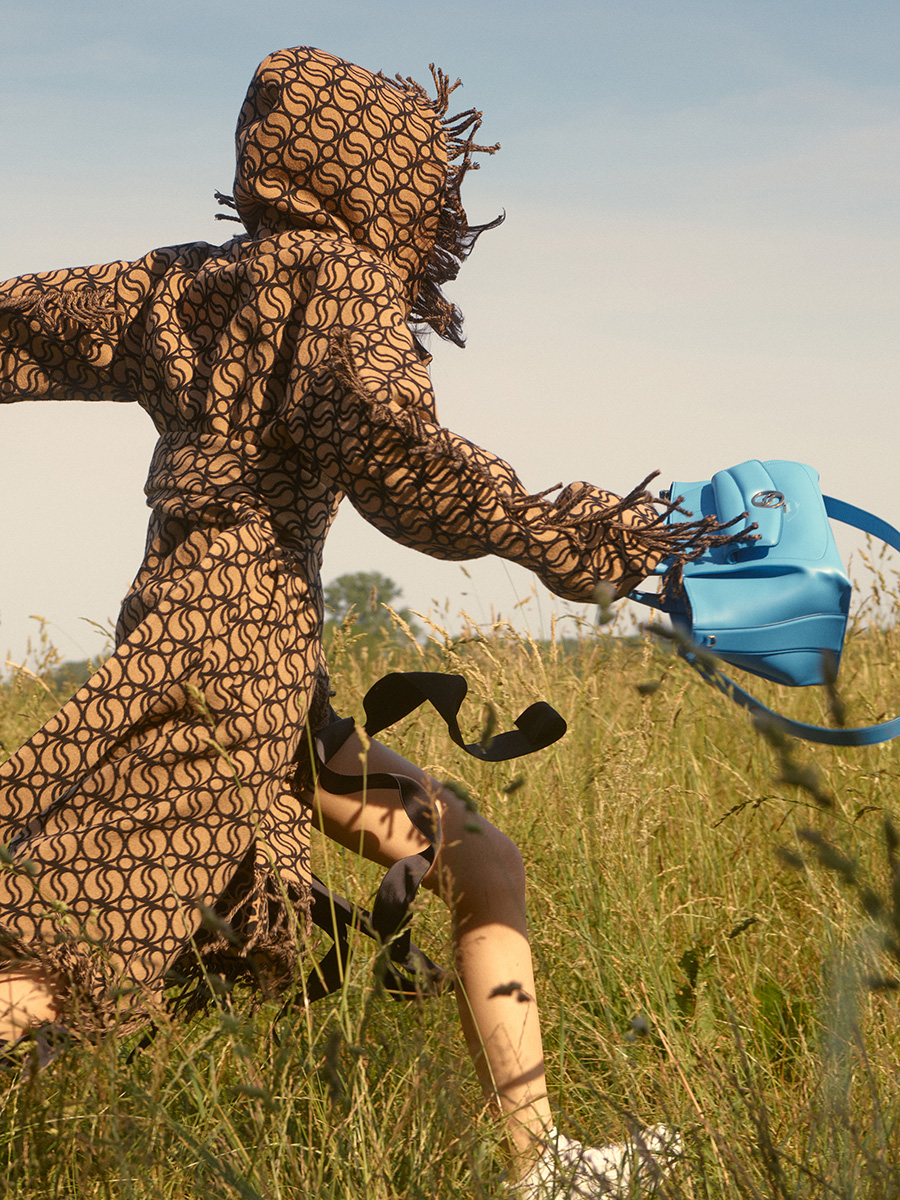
395	696
389	700
416	976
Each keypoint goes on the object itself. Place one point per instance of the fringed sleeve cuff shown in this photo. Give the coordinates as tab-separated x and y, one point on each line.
434	491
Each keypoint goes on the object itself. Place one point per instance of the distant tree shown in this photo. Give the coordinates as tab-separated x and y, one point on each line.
68	677
365	593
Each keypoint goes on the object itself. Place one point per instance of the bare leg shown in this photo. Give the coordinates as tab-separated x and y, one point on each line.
26	1000
479	875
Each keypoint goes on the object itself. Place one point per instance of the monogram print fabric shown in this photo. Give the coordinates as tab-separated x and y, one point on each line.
330	147
281	374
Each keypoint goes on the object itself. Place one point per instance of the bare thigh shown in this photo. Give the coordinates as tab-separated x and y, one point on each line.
373	823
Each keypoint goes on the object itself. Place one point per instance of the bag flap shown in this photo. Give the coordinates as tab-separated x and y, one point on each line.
749	488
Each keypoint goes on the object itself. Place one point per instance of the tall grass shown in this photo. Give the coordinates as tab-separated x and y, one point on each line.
716	925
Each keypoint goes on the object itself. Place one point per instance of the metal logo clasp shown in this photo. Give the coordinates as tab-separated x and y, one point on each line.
770	499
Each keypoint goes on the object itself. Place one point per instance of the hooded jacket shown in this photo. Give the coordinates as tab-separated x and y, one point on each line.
280	369
281	374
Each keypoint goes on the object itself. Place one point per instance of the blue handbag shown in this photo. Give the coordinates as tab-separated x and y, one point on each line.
777	605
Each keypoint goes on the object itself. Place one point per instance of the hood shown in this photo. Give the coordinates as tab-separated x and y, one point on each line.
323	144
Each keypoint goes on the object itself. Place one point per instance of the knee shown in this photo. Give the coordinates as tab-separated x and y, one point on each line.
478	859
503	858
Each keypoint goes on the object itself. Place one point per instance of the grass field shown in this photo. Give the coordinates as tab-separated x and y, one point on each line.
716	924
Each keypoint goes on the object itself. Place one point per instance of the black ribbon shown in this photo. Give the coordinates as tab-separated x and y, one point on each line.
410	973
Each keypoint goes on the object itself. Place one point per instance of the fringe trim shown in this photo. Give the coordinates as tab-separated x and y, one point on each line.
226	202
427	444
258	940
652	539
455	237
92	998
655	538
95	308
95	1000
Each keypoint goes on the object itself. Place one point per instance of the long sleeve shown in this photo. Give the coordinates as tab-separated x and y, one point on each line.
373	432
430	489
79	333
60	336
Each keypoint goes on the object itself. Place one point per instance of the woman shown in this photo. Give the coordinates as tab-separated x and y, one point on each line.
281	374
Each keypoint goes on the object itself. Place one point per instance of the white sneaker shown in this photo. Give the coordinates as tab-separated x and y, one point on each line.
569	1171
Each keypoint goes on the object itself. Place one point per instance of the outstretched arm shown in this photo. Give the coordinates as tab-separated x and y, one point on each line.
369	423
437	492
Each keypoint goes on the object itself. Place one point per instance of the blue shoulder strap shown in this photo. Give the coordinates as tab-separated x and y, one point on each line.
865	735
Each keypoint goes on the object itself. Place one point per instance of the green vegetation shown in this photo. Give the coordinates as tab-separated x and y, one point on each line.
367	600
716	922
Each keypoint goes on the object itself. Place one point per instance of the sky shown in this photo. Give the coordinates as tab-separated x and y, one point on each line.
699	262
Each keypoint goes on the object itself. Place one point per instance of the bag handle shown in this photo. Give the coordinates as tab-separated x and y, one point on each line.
863	735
